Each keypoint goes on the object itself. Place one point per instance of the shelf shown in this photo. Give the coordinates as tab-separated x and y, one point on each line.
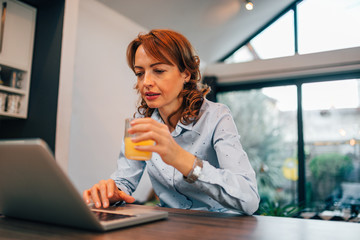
13	65
16	56
10	115
12	90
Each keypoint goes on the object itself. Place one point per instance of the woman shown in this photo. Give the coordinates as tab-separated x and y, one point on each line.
198	161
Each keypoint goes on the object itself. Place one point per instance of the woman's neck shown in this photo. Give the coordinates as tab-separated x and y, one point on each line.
169	110
174	119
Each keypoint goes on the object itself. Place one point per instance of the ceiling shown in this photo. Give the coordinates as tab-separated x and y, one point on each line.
214	27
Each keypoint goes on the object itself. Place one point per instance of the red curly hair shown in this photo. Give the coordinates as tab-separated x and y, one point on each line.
163	44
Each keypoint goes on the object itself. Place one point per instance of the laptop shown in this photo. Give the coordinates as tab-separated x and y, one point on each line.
33	187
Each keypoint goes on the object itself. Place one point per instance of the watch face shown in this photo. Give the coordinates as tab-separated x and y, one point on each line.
197	171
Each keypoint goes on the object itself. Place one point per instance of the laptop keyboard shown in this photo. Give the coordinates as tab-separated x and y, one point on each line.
105	216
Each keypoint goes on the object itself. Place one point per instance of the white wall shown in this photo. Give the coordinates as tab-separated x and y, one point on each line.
96	90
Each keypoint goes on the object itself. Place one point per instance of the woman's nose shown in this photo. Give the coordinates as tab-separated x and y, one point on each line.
148	81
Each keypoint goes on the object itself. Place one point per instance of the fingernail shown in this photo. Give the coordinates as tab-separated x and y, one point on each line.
97	204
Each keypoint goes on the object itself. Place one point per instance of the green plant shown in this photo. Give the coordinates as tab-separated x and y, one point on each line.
259	124
327	172
330	165
270	208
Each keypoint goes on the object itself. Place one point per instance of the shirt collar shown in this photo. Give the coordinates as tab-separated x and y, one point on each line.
180	127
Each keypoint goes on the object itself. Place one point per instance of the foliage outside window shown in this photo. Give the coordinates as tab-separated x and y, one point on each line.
267	122
332	141
260	119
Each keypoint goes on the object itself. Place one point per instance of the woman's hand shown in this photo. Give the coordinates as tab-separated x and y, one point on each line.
105	193
170	152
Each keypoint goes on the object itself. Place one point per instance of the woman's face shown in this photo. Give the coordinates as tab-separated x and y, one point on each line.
159	83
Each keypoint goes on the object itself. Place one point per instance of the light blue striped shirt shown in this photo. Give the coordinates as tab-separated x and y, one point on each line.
227	182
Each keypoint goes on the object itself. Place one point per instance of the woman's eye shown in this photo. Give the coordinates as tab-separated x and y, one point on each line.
138	74
159	71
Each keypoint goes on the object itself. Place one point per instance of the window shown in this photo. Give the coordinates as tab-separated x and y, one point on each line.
331	119
241	55
281	37
326	25
322	25
266	121
317	137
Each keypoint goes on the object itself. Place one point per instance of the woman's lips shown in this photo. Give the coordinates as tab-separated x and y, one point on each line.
151	95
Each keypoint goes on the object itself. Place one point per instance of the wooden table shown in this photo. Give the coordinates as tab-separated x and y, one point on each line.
189	224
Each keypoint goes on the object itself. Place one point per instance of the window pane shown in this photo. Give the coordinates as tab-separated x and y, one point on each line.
277	40
325	25
331	119
267	123
241	55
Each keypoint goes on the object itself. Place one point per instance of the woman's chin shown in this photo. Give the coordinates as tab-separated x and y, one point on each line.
152	104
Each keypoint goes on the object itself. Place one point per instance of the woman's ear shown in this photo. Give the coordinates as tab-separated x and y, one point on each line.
186	76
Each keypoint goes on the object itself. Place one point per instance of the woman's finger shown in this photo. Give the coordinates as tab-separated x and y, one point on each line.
86	196
111	186
95	195
146	127
127	198
145	121
104	193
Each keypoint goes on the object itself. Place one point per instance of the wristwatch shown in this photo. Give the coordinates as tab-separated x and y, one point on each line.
195	172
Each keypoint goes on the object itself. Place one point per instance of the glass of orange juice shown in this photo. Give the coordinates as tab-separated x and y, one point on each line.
130	151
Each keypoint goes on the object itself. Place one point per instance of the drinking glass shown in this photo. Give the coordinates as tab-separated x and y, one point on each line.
130	151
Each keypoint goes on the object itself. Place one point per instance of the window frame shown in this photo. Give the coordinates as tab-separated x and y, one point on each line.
311	68
300	128
292	6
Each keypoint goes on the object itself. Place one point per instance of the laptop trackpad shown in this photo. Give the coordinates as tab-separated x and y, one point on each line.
106	216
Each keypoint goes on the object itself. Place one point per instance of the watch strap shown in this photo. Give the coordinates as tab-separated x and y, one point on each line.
195	172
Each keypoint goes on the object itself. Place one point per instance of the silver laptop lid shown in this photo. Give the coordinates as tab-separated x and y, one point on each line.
33	187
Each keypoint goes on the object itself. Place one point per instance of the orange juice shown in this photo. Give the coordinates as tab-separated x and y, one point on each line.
132	153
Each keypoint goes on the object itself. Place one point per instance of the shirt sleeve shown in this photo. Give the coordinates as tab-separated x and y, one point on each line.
233	184
128	173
